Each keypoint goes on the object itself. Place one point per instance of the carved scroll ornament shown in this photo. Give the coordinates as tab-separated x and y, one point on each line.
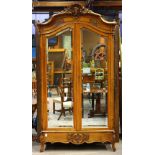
78	138
76	10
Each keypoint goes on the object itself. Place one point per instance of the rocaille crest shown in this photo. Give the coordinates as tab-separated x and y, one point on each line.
76	10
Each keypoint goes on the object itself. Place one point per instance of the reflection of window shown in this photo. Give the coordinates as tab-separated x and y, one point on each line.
33	52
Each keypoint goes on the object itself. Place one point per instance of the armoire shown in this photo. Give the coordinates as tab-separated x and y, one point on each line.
77	78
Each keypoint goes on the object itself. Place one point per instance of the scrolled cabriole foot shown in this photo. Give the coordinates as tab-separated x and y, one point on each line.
113	147
42	143
42	147
113	143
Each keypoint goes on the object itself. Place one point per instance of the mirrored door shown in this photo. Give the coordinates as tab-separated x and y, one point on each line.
94	71
60	99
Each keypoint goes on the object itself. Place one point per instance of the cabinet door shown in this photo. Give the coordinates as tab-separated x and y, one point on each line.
94	74
59	69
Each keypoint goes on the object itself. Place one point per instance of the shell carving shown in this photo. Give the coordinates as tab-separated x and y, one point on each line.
76	10
78	138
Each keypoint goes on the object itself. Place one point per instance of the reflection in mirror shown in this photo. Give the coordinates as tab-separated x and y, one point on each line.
59	80
94	79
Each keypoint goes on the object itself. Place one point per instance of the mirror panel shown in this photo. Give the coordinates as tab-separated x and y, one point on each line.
59	80
94	79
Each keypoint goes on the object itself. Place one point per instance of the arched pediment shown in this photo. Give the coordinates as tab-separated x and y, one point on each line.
75	14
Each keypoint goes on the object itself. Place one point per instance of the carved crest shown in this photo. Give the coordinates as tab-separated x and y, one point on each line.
78	138
76	10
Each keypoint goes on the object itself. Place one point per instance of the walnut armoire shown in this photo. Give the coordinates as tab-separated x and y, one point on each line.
80	45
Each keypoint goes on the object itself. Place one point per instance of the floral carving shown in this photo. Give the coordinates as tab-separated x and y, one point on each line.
78	138
76	10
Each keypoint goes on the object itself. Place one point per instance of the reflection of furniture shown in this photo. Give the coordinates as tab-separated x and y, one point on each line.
61	71
65	100
88	78
34	108
99	54
92	76
62	74
99	74
34	88
50	72
57	56
97	91
34	122
96	77
34	64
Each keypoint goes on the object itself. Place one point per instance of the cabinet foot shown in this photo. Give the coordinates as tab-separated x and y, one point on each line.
113	147
42	143
42	147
